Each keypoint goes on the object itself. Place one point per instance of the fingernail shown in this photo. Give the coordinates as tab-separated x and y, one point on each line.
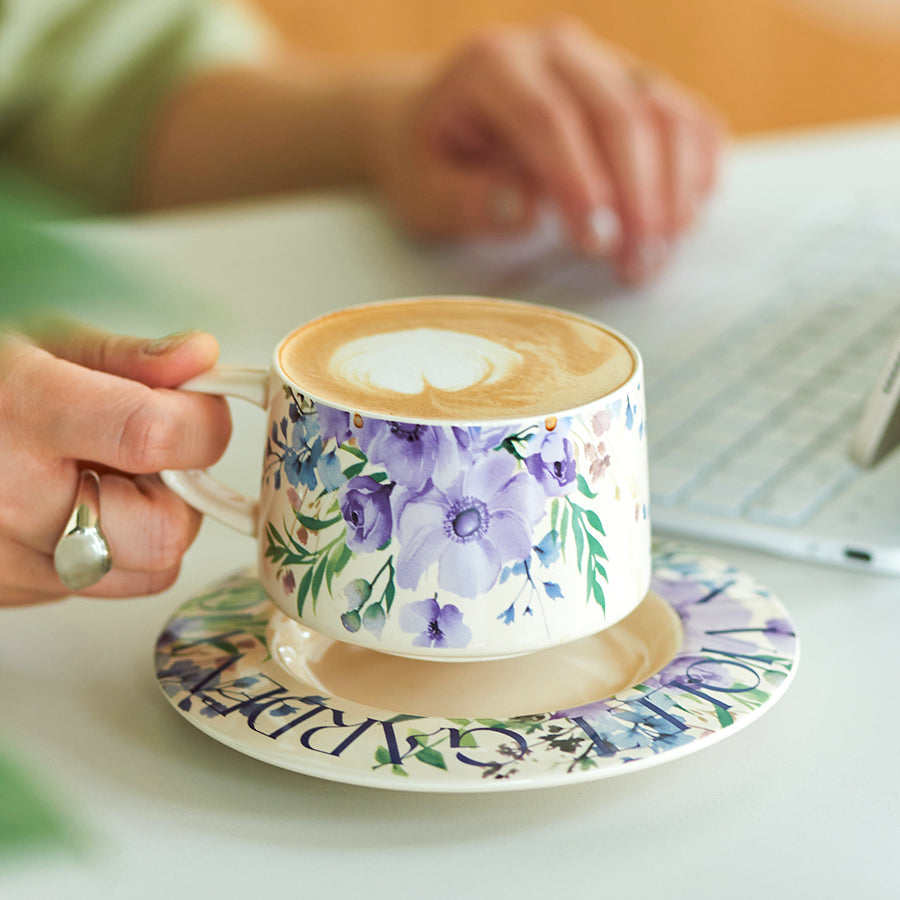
164	344
605	229
507	206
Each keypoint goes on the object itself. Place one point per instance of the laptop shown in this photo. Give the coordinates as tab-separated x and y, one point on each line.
772	383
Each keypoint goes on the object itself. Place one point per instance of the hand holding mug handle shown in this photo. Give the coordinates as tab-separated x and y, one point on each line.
196	486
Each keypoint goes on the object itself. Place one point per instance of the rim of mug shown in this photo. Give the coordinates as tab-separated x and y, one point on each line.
634	378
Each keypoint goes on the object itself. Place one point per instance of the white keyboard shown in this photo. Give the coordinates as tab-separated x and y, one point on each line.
757	425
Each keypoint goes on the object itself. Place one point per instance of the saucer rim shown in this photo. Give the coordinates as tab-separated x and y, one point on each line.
337	770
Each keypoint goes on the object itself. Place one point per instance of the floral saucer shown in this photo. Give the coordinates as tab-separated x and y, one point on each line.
706	652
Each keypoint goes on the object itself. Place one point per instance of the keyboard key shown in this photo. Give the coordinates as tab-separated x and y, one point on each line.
775	450
668	482
811	425
830	464
783	507
705	445
755	401
833	401
720	493
788	434
796	494
748	466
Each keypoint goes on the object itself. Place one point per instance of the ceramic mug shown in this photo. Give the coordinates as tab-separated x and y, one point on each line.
449	478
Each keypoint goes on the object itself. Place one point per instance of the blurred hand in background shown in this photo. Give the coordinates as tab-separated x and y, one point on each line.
474	143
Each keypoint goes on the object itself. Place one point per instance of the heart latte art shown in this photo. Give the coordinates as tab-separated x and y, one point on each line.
455	359
418	359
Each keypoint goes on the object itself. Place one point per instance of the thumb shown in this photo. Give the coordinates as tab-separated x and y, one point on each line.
161	362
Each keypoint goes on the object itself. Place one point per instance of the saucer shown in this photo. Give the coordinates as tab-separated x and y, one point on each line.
706	652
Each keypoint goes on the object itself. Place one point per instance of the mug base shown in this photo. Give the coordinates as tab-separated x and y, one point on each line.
565	676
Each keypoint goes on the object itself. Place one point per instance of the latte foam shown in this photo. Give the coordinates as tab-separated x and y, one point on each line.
455	358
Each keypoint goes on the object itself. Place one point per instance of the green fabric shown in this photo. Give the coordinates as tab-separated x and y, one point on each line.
80	80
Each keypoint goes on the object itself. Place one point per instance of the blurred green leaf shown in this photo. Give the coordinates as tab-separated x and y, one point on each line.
28	820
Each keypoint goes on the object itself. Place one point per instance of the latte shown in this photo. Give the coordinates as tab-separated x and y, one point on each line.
455	358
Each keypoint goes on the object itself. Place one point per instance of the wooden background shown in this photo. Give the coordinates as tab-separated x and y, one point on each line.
767	64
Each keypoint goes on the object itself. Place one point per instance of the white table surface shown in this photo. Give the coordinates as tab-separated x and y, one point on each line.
804	802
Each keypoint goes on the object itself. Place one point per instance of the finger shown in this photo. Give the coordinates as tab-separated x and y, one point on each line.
689	146
508	83
118	584
12	596
163	362
29	577
148	528
36	507
624	127
713	134
679	158
89	415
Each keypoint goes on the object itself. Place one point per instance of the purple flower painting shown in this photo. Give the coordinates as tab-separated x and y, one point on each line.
333	423
366	508
484	519
410	454
399	507
476	441
434	625
553	465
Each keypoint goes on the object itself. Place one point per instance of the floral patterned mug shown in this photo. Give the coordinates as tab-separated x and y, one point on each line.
450	478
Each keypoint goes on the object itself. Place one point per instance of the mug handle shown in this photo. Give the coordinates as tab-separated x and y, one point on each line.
196	486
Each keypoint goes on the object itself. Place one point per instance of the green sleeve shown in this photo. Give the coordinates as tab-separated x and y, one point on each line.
80	79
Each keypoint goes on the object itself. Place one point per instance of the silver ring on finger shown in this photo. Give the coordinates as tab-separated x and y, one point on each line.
82	556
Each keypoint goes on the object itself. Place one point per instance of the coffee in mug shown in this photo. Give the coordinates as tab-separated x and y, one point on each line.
446	478
469	360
